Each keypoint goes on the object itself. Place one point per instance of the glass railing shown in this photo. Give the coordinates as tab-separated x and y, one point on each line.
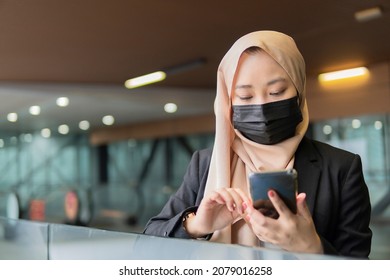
29	240
23	240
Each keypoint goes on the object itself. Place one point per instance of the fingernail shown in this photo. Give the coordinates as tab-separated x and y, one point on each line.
271	193
244	206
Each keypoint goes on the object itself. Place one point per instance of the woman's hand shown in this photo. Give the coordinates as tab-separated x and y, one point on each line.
292	232
217	210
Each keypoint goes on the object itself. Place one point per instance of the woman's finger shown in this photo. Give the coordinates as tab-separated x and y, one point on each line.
225	197
236	199
240	199
302	206
278	203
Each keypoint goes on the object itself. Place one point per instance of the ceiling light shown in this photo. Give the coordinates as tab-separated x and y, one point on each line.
327	129
145	79
170	107
161	75
63	129
343	74
368	14
378	125
356	123
62	101
1	143
108	120
12	117
84	125
46	133
35	110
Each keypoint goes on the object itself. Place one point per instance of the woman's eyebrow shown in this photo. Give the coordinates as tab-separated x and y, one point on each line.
244	86
277	80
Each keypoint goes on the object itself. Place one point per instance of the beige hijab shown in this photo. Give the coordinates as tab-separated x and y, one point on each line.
234	156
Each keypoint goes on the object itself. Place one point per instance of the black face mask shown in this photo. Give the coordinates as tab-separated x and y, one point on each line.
268	123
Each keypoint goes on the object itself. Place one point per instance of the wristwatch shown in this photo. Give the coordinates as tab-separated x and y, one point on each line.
189	214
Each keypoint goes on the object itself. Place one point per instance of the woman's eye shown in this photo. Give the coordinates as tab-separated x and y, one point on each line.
245	97
276	93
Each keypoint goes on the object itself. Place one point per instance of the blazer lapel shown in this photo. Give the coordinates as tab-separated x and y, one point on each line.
307	163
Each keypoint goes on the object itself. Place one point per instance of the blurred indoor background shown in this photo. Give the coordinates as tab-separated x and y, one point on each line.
78	147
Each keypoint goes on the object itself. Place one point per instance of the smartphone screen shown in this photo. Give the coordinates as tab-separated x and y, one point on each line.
283	182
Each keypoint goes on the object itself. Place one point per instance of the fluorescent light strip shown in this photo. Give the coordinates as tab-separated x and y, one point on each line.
343	74
145	79
368	14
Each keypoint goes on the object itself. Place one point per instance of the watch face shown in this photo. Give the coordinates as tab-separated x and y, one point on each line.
13	206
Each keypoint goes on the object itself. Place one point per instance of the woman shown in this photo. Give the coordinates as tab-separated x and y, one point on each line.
261	119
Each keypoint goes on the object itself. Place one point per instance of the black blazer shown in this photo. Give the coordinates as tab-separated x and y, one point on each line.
336	194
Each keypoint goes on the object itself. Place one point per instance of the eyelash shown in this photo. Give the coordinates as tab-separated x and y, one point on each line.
277	93
245	97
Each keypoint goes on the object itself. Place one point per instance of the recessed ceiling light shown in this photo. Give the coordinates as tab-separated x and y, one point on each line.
63	129
62	101
378	125
356	123
108	120
12	117
35	110
84	125
170	107
327	129
45	132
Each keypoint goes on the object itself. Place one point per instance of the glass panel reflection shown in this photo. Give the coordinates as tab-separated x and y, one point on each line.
23	240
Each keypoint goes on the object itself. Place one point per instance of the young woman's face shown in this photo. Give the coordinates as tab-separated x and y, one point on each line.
260	79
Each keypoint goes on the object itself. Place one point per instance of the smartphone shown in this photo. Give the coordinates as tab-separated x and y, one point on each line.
283	182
